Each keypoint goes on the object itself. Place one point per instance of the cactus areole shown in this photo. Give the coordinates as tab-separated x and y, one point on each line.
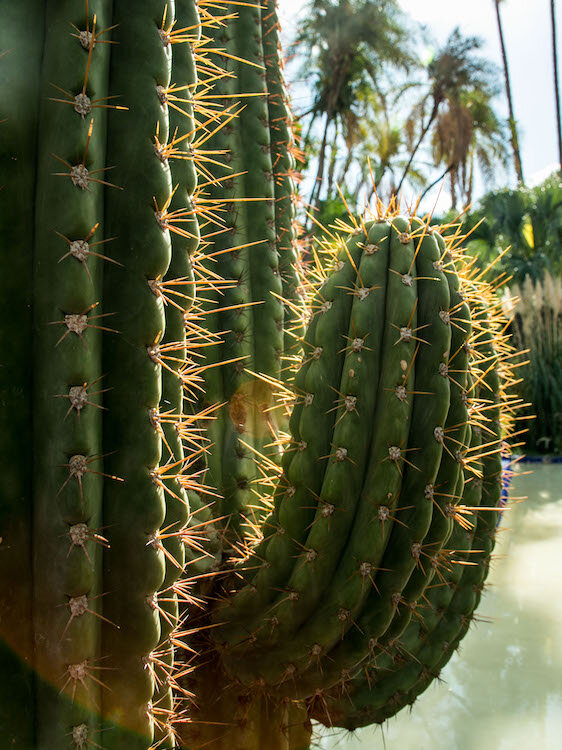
233	475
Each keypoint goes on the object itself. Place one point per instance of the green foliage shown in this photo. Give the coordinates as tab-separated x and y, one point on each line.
525	223
524	227
332	209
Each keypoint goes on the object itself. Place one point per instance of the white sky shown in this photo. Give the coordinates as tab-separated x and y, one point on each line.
526	25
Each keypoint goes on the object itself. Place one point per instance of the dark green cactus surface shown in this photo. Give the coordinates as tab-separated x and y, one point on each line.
97	227
246	485
255	252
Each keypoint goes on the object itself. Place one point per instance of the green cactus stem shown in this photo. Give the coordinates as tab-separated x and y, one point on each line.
89	207
135	508
284	164
380	476
177	290
254	242
412	301
379	684
67	329
223	717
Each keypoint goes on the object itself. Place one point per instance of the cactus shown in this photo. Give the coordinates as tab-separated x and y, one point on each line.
98	226
383	491
248	469
255	250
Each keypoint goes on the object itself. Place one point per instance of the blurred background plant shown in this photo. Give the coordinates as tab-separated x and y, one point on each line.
528	221
517	235
537	331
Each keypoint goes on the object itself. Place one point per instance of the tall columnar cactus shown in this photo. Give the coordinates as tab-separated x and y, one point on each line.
255	250
97	227
185	561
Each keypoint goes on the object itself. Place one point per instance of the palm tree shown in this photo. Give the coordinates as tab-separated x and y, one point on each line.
512	121
556	86
454	70
468	131
345	44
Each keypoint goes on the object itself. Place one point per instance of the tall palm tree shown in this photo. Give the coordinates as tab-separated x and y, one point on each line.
468	131
455	69
556	85
345	44
512	121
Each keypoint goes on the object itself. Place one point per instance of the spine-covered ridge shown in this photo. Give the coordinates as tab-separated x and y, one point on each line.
107	228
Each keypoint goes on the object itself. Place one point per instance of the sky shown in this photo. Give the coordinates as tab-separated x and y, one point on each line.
526	25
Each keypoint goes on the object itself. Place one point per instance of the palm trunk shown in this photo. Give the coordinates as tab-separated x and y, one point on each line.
556	85
306	139
340	71
470	180
512	123
434	183
333	156
345	167
418	144
314	195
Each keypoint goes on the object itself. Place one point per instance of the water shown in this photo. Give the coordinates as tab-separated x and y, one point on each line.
503	690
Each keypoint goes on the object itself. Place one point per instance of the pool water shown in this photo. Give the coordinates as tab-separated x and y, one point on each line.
503	690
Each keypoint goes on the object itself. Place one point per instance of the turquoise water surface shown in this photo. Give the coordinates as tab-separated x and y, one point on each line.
503	690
